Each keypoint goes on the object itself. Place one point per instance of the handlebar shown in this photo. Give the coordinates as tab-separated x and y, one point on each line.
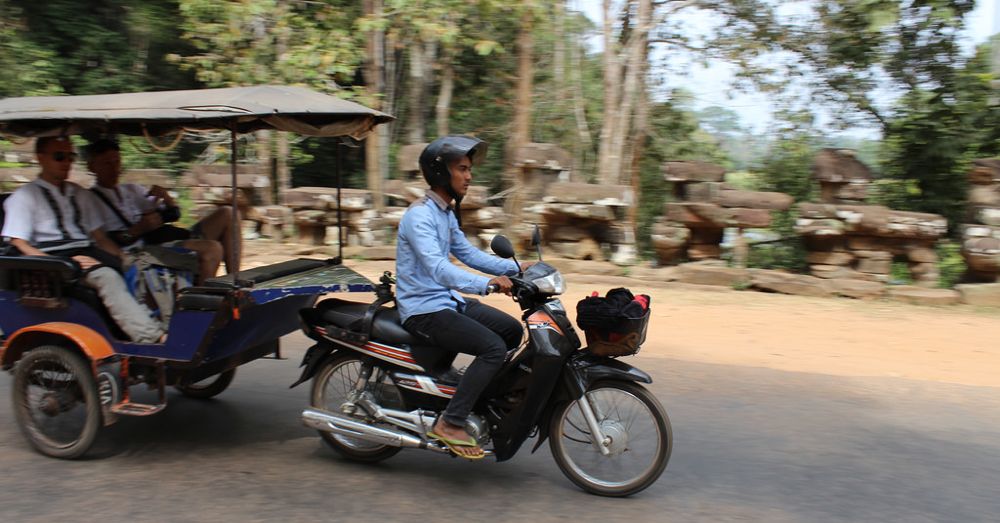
491	288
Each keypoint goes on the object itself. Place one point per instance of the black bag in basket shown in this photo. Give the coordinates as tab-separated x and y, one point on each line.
615	325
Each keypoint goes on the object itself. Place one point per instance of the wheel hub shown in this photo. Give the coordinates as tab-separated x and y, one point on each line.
615	437
48	404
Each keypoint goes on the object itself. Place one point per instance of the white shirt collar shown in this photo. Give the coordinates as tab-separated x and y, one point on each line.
436	198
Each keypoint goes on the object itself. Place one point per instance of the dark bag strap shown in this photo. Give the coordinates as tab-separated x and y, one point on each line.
104	198
51	200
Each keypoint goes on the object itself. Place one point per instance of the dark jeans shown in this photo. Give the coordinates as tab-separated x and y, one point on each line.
476	329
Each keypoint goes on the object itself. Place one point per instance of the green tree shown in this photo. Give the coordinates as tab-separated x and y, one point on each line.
105	46
29	69
933	136
251	42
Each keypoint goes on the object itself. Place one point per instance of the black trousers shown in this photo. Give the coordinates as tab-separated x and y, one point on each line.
476	329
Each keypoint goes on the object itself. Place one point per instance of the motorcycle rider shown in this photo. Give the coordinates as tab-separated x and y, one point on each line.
428	284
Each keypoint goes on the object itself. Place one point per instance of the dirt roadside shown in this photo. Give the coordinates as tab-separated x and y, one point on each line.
837	336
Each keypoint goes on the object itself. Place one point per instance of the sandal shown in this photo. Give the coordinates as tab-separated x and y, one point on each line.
455	444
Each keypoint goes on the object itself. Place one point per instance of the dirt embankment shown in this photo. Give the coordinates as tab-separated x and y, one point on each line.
839	336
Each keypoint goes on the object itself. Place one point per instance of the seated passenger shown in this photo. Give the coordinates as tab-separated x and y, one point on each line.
133	214
54	217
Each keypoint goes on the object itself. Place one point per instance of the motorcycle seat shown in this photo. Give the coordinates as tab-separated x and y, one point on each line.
350	315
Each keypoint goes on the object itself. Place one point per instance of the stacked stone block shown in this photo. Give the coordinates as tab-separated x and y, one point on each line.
981	237
585	221
703	207
315	214
848	241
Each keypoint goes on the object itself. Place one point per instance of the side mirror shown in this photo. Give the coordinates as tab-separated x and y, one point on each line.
502	247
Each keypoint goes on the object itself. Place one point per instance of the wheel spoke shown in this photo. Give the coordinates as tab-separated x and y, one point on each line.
634	441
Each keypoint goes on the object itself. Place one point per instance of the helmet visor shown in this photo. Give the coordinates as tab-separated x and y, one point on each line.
455	147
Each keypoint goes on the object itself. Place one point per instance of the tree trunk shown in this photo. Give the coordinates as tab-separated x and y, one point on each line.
443	107
582	145
559	60
612	88
264	155
618	122
284	174
375	74
638	142
415	93
522	117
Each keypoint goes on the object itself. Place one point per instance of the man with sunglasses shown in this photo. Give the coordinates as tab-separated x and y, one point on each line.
52	216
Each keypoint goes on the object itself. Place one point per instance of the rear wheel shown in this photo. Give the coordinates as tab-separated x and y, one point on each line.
56	402
637	435
333	386
208	388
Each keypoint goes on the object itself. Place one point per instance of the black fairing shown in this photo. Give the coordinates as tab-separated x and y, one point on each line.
514	425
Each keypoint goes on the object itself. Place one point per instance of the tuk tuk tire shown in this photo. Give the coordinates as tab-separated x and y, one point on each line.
210	389
81	370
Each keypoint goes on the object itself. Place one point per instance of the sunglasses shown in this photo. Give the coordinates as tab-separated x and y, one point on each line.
61	156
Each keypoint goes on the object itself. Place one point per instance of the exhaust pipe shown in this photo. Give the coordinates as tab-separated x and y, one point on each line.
333	423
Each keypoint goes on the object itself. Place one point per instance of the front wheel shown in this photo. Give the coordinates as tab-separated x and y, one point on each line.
56	401
637	435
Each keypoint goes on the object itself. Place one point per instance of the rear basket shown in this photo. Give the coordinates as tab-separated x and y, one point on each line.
624	341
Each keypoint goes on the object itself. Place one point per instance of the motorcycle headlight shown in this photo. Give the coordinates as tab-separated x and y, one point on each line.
550	284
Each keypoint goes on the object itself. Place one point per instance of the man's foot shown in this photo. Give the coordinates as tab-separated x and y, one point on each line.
457	440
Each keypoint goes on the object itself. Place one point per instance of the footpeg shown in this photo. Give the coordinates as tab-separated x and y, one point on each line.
127	408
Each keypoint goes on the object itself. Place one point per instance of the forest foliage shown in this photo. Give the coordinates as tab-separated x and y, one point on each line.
597	88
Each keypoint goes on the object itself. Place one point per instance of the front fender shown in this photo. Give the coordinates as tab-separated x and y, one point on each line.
92	344
593	369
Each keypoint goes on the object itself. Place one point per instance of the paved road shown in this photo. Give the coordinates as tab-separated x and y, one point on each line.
751	445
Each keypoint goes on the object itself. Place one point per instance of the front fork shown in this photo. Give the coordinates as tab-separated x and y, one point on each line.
591	412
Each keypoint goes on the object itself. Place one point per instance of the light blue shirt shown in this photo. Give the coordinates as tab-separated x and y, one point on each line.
426	280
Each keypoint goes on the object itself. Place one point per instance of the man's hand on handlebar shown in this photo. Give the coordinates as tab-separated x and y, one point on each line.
500	284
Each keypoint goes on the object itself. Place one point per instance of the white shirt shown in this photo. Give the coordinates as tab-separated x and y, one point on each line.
29	217
130	200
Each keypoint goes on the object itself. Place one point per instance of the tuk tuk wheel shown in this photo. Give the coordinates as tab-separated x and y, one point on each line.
56	401
209	388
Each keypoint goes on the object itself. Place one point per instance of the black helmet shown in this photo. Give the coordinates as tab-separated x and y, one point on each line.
438	154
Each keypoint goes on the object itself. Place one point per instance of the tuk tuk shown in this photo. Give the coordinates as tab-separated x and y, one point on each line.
72	365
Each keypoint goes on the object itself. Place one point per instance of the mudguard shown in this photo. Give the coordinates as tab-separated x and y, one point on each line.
598	369
312	360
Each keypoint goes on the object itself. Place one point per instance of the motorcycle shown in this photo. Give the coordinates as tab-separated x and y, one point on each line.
378	389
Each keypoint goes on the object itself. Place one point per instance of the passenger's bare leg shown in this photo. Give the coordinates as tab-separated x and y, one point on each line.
209	253
218	226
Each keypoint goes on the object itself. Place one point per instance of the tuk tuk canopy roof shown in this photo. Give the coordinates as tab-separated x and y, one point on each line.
156	113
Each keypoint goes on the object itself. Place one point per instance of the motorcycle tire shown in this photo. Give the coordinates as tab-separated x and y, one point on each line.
343	370
579	458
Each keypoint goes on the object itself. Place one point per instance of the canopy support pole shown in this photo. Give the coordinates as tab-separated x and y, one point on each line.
340	227
236	232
